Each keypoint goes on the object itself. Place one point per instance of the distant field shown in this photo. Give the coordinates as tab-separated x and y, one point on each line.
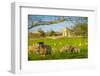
57	44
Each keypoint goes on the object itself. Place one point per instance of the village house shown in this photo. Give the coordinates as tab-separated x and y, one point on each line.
67	32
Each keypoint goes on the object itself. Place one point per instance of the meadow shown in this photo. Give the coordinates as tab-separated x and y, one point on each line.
57	44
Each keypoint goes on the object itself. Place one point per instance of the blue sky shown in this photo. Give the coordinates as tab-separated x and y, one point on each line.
69	22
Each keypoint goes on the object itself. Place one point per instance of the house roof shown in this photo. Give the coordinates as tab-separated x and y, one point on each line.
68	28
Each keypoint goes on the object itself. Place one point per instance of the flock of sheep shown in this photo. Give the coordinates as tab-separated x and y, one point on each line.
43	49
40	48
70	49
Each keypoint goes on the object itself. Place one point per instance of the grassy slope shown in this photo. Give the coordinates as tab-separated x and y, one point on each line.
57	44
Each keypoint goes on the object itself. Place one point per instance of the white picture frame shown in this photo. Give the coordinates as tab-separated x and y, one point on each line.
19	62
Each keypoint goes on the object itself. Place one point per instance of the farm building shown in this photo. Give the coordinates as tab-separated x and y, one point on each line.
67	32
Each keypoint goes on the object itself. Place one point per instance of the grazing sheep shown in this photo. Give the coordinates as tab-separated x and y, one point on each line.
44	49
33	49
65	49
48	49
36	48
70	49
40	48
30	49
76	50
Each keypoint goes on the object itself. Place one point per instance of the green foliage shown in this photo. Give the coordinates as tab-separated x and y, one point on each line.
81	29
36	23
42	33
51	33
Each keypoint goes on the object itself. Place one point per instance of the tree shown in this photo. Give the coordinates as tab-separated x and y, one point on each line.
51	33
81	29
42	33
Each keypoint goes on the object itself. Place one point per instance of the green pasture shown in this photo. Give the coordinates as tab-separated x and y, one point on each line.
57	44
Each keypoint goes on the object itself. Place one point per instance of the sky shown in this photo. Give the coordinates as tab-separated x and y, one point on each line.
69	22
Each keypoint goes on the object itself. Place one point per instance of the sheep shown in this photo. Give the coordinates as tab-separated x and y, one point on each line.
44	50
65	49
33	49
36	48
40	49
70	49
30	49
76	50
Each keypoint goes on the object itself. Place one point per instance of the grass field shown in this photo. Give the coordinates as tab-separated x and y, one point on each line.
57	44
